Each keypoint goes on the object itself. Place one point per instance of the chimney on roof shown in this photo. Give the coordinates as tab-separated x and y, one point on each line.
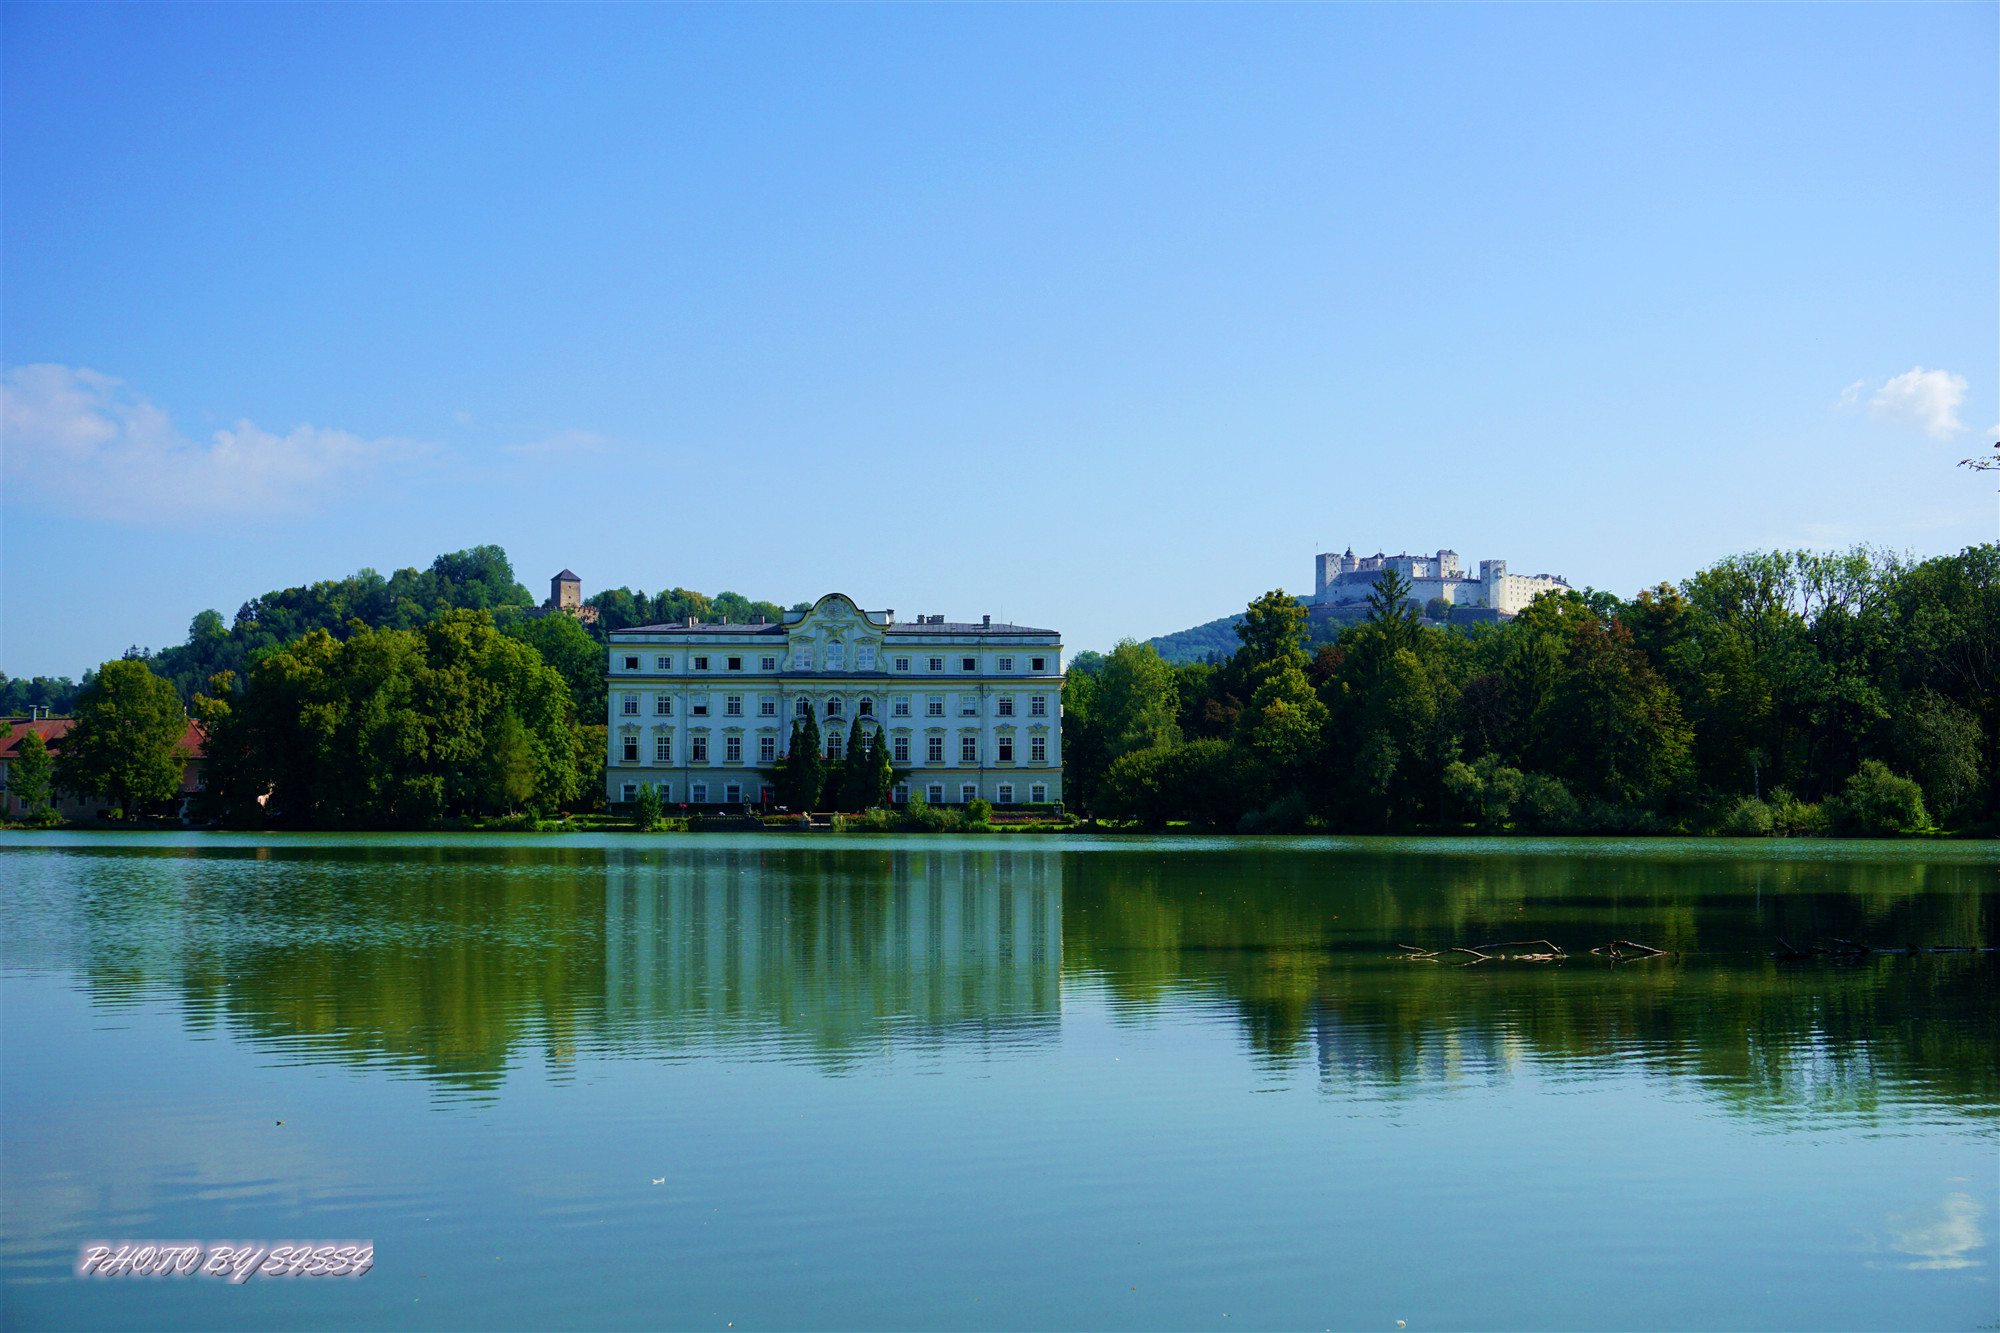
890	615
690	622
756	620
986	620
725	620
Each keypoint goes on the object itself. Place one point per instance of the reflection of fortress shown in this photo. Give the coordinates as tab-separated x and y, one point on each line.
1340	580
697	950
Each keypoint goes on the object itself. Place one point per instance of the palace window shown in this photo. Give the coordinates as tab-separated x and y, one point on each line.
1038	793
968	793
1004	794
834	746
767	664
732	663
663	705
1038	664
899	750
968	705
631	749
1005	753
701	664
631	705
934	706
732	792
629	792
663	748
900	707
663	664
866	708
802	707
902	664
766	706
732	749
900	793
934	749
698	705
698	793
732	705
698	749
767	749
833	708
937	664
968	664
968	749
1038	749
1038	705
1006	705
935	794
1006	664
631	664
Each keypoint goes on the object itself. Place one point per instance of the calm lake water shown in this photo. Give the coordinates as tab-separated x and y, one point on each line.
1010	1083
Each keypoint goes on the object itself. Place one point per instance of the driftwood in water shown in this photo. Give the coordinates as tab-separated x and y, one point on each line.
1611	950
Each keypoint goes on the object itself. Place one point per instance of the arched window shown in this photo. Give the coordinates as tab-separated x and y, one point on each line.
802	707
833	708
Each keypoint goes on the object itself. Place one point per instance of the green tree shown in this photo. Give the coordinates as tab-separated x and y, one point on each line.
509	763
859	789
802	776
567	646
1878	803
1083	740
28	774
1136	700
126	744
646	809
1273	630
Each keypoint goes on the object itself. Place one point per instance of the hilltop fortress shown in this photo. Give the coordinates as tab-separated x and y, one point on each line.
1347	579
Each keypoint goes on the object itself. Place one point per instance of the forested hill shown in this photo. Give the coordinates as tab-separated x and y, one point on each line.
1216	640
479	578
1204	643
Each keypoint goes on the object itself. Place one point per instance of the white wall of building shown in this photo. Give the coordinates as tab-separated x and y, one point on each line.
970	710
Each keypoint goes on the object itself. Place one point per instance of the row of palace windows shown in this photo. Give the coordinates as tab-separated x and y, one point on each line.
702	661
899	749
732	793
899	706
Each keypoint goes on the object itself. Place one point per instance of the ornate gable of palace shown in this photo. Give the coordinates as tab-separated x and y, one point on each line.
836	635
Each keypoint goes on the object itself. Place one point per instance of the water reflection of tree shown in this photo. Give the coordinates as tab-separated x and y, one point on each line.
1300	947
454	962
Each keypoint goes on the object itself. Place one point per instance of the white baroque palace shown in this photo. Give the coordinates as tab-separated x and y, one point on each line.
1340	580
700	710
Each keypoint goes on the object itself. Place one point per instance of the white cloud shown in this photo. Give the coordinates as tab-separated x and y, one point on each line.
1851	394
80	441
1926	398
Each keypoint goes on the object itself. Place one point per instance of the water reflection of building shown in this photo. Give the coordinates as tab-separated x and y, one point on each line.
842	950
1356	1051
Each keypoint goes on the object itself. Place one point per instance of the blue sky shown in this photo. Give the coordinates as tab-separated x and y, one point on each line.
1103	318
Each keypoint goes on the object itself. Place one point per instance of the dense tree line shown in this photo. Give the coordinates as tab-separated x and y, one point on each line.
394	728
1779	692
620	608
480	578
51	694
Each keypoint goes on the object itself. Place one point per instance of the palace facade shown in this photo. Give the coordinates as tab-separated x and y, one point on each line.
699	710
